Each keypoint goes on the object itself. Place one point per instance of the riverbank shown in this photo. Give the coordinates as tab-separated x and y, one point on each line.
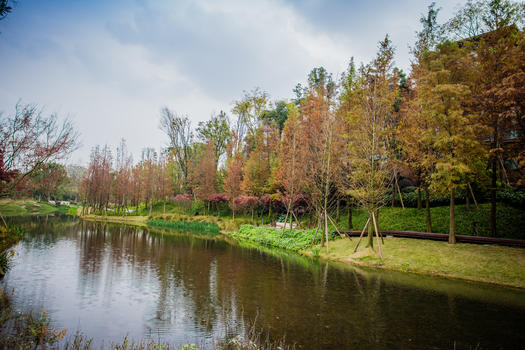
478	263
128	220
21	207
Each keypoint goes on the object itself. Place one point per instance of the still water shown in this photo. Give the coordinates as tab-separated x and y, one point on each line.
113	280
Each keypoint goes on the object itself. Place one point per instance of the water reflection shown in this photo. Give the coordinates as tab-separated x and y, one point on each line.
108	280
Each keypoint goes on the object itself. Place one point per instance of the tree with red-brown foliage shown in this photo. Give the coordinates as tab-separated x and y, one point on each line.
204	174
261	161
246	203
28	140
233	179
95	187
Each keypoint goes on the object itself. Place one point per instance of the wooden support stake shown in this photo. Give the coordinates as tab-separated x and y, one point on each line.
296	220
472	194
399	191
377	234
3	220
336	228
361	236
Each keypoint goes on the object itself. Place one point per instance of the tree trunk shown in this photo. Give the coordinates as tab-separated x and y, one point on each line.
419	205
350	224
393	193
452	232
370	233
322	233
493	230
326	229
337	216
427	211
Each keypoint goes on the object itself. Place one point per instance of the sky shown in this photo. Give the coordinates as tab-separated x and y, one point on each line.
110	66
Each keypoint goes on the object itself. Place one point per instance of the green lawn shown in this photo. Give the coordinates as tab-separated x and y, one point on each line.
482	263
510	220
9	207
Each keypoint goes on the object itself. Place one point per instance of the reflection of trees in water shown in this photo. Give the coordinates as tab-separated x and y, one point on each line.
45	229
207	283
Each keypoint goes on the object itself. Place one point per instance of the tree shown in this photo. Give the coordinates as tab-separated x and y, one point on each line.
318	133
261	161
48	180
123	174
277	115
28	140
95	187
488	32
204	175
369	105
178	129
445	106
217	131
291	172
233	179
249	111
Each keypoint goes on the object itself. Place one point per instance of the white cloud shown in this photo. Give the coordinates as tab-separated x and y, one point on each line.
113	69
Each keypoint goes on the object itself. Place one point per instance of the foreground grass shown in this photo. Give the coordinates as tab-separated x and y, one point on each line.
510	220
10	207
480	263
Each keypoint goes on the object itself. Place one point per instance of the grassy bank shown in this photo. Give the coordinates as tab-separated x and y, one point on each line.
489	264
128	220
226	224
480	263
11	207
206	228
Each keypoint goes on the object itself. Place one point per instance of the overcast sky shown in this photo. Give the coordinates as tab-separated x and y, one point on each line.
111	65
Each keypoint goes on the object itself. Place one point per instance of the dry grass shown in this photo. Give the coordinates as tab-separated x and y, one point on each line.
481	263
128	220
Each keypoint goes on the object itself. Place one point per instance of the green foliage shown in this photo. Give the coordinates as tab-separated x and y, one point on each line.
226	224
512	196
289	239
9	236
510	222
204	228
25	331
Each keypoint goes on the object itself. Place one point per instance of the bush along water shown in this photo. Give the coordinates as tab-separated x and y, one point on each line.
275	237
203	228
9	236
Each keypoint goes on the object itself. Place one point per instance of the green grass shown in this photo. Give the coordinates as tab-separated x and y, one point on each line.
9	207
226	224
274	237
204	228
510	220
481	263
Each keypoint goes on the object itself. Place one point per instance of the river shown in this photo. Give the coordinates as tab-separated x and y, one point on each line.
110	280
